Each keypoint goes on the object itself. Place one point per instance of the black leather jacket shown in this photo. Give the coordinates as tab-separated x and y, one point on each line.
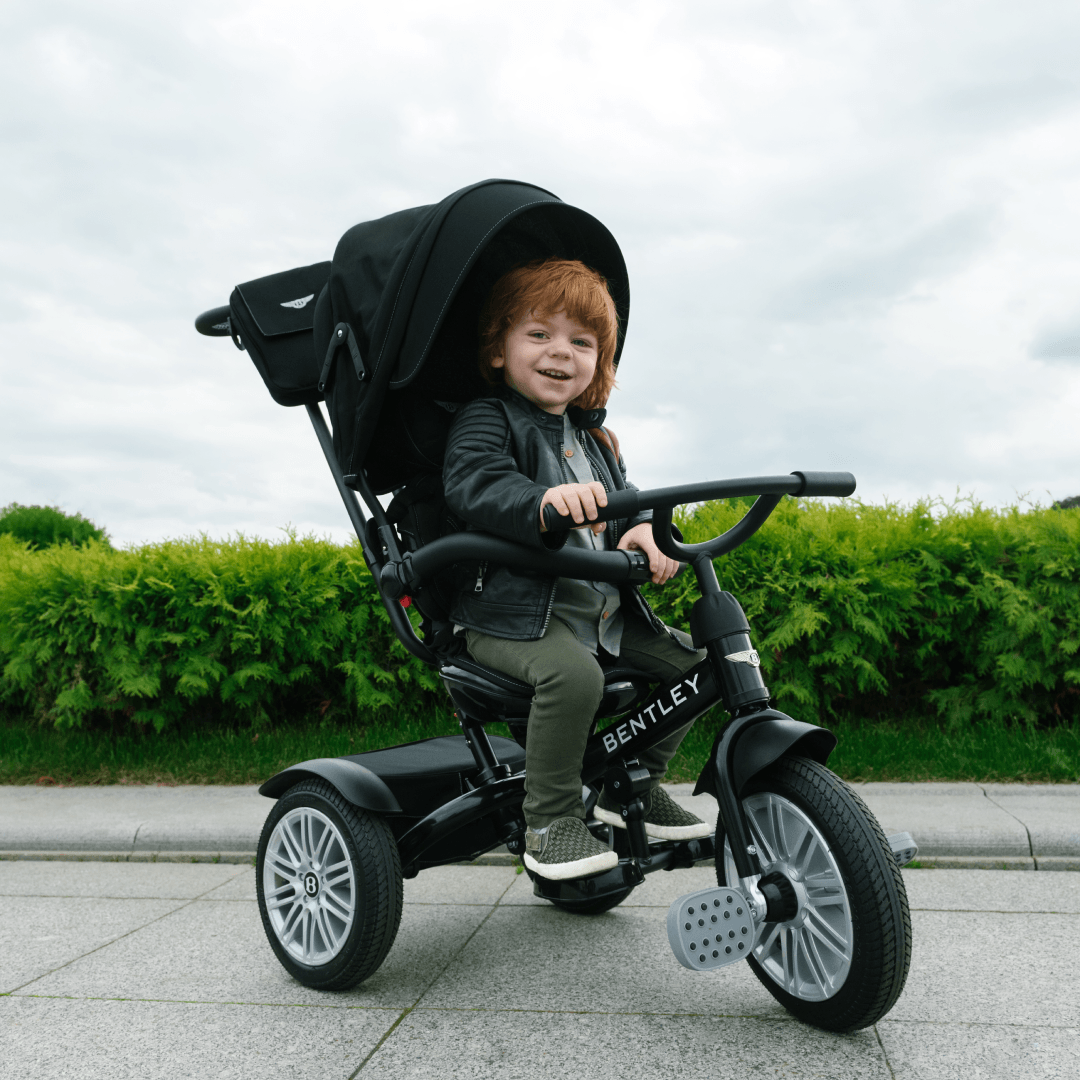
502	455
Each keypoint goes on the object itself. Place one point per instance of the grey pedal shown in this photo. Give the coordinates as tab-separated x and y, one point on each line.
903	847
710	929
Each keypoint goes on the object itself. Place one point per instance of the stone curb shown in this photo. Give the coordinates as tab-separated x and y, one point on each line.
242	858
504	858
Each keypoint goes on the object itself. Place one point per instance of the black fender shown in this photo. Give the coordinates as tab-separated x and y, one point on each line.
776	737
771	736
355	782
743	748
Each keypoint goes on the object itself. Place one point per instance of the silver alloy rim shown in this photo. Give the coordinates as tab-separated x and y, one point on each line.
810	955
309	886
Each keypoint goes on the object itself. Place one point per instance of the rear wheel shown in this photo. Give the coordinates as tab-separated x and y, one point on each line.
595	906
328	877
841	962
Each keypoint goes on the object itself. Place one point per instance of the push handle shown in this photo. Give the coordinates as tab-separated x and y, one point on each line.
215	322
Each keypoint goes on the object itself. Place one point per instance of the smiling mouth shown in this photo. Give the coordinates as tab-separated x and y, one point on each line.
560	375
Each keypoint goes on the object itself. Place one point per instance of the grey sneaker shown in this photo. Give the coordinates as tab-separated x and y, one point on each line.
566	849
665	819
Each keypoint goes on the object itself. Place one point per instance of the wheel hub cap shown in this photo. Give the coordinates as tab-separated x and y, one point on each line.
309	886
810	955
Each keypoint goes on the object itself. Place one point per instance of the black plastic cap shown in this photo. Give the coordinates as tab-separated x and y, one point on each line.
215	322
826	483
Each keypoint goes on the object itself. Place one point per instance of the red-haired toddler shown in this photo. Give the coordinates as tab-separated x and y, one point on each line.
548	336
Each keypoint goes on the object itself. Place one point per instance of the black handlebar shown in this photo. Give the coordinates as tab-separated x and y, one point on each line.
629	502
398	578
215	322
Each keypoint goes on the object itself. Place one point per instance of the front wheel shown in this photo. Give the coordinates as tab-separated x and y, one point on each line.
328	878
841	962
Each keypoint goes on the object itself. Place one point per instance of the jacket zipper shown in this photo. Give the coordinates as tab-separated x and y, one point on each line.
597	471
480	572
551	604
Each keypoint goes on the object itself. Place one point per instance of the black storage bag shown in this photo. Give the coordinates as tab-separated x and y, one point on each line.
272	319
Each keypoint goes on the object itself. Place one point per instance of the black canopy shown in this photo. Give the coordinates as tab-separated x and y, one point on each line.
410	287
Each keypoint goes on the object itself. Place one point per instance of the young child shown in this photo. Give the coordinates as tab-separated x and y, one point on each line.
548	337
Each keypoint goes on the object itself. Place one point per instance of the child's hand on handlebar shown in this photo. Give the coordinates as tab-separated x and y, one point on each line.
578	500
640	538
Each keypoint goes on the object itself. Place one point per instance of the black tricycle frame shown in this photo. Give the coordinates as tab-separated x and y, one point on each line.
488	814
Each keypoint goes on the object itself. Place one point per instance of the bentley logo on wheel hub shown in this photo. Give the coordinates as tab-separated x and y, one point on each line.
311	884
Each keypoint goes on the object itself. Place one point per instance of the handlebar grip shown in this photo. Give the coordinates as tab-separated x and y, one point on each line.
620	504
825	483
214	323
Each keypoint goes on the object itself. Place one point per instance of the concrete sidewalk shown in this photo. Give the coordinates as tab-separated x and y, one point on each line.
987	826
160	972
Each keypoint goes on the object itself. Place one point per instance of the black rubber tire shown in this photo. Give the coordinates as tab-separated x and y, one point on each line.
587	907
594	907
373	852
881	921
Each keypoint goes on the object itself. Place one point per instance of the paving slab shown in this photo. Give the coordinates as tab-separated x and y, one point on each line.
983	1051
1049	812
149	1040
217	951
999	968
460	885
41	934
532	956
507	1046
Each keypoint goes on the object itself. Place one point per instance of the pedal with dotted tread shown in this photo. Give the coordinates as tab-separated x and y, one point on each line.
710	929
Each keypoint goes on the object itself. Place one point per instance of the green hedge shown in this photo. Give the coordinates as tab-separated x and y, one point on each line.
883	611
245	630
858	611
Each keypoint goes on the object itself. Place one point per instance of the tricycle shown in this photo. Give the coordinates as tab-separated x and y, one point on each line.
808	888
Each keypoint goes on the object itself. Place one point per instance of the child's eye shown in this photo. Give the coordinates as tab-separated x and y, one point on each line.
581	343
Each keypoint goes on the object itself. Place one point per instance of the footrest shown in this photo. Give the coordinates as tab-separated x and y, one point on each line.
903	847
710	929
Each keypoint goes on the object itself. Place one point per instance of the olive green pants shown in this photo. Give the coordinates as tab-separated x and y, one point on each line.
569	684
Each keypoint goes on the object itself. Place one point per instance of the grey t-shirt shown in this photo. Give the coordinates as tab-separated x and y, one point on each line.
590	608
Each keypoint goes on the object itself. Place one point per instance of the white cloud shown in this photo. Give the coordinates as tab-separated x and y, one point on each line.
851	230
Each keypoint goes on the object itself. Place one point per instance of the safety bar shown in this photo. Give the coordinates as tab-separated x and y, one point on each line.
399	578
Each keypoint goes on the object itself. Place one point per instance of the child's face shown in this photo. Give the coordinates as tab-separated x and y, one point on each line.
550	360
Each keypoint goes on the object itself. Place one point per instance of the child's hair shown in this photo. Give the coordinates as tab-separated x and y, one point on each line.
545	287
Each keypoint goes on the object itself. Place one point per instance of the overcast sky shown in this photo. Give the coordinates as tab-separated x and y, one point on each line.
852	230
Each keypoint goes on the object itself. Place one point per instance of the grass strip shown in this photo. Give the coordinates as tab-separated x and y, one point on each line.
915	750
911	750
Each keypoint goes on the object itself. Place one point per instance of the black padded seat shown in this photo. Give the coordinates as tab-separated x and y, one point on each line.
504	698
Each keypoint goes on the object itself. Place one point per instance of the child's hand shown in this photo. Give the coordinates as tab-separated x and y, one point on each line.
640	538
578	500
